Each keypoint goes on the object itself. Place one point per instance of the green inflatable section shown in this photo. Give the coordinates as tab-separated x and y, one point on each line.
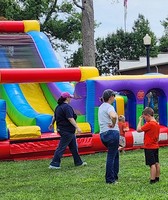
48	95
139	109
81	118
96	124
15	115
53	103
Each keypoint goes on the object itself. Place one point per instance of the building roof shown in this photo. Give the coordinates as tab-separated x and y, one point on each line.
126	65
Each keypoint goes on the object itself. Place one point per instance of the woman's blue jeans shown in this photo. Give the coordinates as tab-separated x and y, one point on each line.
67	139
111	140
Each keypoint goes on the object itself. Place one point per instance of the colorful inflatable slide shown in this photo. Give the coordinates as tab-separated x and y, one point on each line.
31	81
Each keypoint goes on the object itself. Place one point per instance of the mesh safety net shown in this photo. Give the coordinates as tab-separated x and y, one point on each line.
18	51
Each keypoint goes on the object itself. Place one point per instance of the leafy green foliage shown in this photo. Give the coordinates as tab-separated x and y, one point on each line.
9	9
124	46
65	30
76	58
163	47
165	25
140	29
111	49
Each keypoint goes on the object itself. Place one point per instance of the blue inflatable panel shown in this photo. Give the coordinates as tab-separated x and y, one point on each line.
3	129
49	58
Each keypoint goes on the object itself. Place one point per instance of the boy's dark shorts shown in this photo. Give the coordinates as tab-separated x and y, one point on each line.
151	156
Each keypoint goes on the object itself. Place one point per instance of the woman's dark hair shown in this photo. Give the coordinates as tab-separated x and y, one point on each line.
61	100
101	99
107	94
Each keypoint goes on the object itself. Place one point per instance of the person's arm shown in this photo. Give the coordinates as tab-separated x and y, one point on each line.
73	122
139	126
51	126
113	117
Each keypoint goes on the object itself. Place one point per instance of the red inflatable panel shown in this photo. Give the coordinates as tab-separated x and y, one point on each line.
163	129
129	139
12	26
164	138
98	146
4	150
33	150
39	75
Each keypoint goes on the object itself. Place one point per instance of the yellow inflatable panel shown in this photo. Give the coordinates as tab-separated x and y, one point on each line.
129	77
120	105
31	25
35	97
24	132
88	72
85	127
9	122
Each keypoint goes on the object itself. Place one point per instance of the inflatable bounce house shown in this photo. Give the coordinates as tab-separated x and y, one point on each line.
31	81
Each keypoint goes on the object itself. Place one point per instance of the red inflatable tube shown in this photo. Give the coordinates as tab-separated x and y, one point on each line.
163	136
12	26
129	139
98	146
39	75
4	150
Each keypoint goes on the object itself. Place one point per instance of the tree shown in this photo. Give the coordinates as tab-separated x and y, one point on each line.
124	46
88	47
140	29
9	9
111	50
76	59
163	46
88	33
165	25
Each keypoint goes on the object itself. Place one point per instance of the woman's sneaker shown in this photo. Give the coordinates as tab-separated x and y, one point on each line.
84	163
54	167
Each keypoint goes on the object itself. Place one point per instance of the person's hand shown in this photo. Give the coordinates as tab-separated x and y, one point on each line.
126	129
140	118
78	130
111	125
51	126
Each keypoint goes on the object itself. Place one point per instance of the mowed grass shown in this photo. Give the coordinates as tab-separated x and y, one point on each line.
32	180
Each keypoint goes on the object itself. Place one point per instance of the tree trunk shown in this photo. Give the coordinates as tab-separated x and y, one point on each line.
88	33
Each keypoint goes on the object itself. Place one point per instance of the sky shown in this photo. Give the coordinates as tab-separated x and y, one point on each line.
111	16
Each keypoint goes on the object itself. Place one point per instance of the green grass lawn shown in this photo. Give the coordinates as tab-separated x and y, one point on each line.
32	180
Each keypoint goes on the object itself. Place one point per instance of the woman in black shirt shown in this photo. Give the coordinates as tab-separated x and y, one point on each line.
66	126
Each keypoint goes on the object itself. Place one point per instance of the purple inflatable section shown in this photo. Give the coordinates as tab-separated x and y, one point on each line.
132	85
55	90
79	101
